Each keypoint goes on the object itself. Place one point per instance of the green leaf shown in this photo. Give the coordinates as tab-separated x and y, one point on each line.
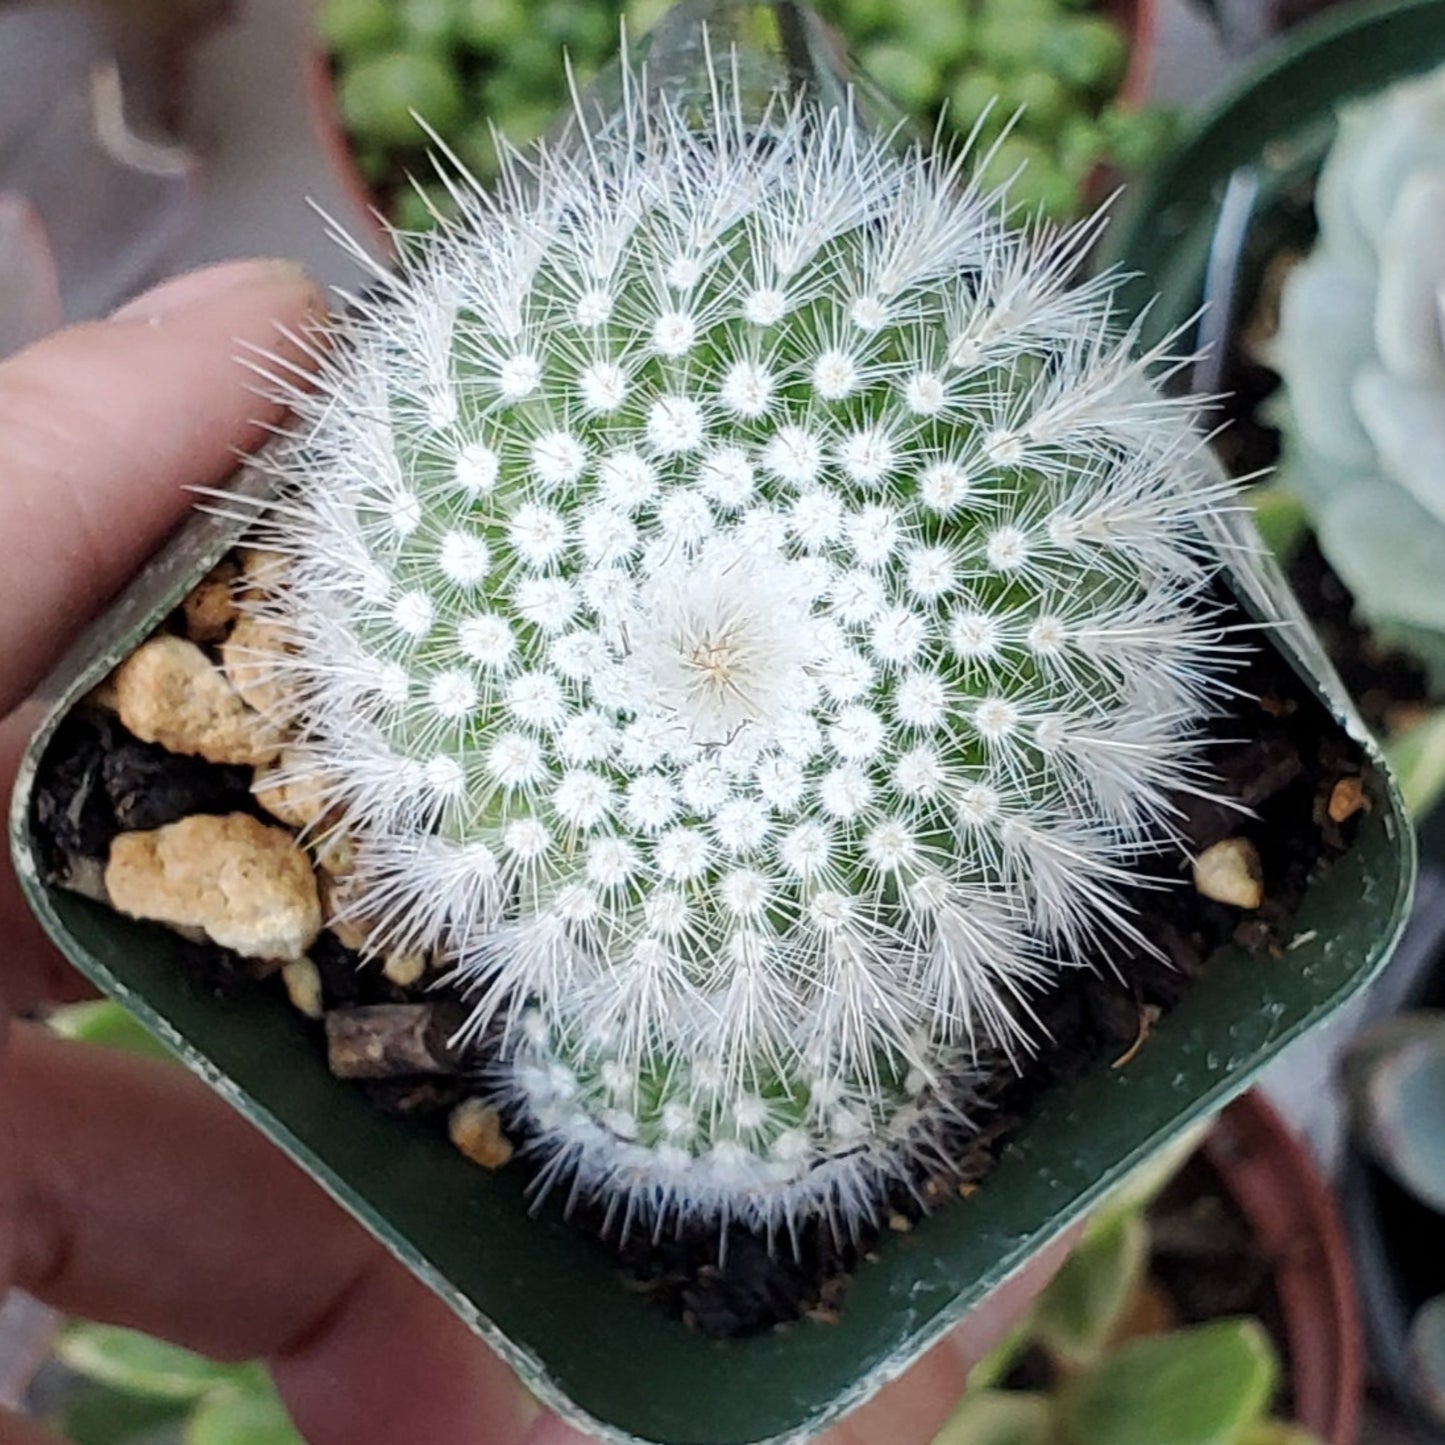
997	1417
1077	1314
242	1417
1089	53
102	1415
995	1365
107	1023
1200	1386
1281	518
1139	1188
357	26
128	1360
491	25
906	76
381	95
1418	758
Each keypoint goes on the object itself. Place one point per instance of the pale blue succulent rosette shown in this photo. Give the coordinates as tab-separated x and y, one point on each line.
751	607
1360	350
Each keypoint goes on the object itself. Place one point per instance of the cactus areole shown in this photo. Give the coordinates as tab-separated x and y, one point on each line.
751	608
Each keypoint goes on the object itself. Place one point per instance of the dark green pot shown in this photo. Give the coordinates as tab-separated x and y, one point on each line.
549	1299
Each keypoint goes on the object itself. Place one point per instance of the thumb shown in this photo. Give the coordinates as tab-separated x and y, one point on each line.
104	426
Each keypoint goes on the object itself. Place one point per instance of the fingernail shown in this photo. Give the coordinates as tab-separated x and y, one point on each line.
194	287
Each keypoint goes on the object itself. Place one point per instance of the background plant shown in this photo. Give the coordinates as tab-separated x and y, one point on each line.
1396	1078
1118	1374
468	64
1362	409
131	1389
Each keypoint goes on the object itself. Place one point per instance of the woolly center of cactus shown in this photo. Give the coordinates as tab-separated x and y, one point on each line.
746	606
724	652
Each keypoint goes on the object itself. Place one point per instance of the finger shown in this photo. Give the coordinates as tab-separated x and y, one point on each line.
911	1409
72	426
143	1200
551	1431
394	1364
140	1198
16	1431
103	426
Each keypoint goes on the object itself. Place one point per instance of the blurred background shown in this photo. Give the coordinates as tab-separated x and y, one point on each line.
139	138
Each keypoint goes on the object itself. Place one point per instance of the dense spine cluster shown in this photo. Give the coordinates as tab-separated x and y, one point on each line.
748	605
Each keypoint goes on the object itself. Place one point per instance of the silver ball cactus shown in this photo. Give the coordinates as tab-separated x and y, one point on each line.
751	609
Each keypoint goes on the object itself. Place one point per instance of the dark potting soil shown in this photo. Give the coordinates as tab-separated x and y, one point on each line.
101	780
1384	682
1278	754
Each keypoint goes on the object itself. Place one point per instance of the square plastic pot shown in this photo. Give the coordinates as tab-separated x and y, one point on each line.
549	1299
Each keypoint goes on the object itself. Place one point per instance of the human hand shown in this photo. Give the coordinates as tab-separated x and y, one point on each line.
129	1192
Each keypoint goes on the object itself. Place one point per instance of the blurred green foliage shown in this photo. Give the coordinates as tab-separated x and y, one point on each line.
139	1391
1037	78
103	1021
1119	1373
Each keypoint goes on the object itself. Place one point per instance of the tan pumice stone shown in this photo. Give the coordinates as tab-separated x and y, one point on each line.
168	692
247	886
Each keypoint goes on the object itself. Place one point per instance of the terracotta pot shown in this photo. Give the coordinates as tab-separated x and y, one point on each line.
1139	19
1278	1187
366	216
